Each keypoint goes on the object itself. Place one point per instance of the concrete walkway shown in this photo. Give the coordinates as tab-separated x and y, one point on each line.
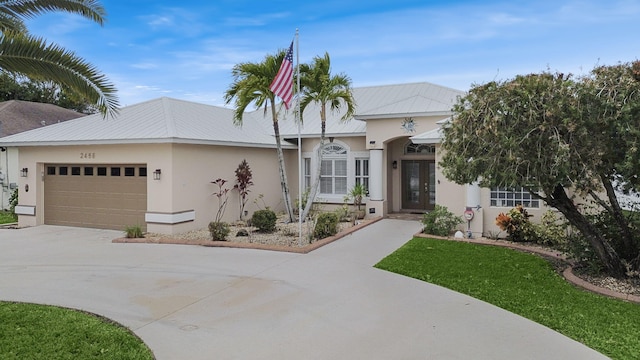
190	302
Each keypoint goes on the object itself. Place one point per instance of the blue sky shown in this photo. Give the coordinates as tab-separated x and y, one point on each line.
186	49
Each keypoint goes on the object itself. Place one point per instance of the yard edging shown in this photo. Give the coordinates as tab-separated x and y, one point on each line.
226	244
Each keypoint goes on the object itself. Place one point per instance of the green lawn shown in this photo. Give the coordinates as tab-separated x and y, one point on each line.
6	217
526	285
29	331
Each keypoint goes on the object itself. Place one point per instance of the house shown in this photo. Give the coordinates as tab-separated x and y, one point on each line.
153	165
17	116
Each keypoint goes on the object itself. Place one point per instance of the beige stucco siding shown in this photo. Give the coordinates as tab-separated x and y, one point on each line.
185	183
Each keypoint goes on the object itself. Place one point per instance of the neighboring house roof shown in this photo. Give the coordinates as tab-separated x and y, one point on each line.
377	102
162	120
18	116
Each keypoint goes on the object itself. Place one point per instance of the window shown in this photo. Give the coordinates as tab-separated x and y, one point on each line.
102	171
75	170
142	171
88	171
115	171
333	173
412	148
510	197
129	171
51	170
307	173
63	170
362	172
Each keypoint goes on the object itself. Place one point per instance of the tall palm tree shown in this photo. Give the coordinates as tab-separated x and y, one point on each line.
251	86
317	85
25	54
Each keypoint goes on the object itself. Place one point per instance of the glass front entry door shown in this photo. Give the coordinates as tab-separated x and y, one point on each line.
418	184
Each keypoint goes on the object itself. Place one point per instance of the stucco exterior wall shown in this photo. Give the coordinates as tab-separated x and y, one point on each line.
185	184
196	166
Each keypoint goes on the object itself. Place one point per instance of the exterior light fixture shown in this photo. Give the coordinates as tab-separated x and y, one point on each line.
156	174
372	142
24	172
394	164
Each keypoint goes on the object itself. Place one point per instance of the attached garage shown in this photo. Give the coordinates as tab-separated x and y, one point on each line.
111	196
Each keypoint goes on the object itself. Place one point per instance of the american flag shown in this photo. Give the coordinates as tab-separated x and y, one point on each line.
282	85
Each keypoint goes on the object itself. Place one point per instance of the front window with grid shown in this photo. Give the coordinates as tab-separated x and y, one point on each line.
510	197
333	172
307	174
362	172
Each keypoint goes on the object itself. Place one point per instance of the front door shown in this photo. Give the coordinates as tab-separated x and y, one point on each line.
418	184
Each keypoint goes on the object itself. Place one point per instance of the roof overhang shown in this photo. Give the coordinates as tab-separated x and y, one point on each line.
401	115
143	141
430	137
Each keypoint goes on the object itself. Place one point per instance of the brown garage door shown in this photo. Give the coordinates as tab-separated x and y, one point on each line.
96	196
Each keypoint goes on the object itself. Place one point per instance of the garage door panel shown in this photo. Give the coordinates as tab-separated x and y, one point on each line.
105	202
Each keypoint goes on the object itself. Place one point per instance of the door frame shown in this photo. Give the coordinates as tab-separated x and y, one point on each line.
426	185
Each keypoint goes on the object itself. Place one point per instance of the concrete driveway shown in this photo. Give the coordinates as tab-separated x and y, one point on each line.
190	302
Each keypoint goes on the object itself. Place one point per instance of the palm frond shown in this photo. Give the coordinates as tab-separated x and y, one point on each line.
11	24
33	57
26	9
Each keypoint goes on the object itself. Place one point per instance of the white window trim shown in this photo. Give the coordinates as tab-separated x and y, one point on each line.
351	170
515	201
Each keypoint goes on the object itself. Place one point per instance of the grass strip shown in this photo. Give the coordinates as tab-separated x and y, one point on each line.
7	217
30	331
524	284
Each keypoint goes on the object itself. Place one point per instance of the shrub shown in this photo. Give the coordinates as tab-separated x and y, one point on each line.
551	231
13	202
219	230
440	221
264	220
134	231
517	225
326	225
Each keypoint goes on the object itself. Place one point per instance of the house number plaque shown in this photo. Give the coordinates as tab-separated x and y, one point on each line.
85	155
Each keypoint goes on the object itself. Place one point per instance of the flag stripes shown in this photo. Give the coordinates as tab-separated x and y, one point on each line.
282	84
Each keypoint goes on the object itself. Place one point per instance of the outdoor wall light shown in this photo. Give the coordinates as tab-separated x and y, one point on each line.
394	164
156	174
372	142
24	172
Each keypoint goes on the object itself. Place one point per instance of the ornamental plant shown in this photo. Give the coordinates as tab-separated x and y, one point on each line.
440	221
243	182
517	225
264	220
217	228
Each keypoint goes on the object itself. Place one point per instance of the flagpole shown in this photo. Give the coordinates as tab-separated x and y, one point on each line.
298	118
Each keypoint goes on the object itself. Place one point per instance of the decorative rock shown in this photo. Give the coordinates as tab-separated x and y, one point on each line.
242	232
459	235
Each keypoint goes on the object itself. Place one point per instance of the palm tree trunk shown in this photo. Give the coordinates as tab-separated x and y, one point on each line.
283	174
314	188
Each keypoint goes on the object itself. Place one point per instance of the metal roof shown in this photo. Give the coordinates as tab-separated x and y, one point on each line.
429	137
161	120
375	102
167	120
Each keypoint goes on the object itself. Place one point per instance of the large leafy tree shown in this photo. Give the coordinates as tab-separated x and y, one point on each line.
22	88
250	86
25	54
563	139
331	93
